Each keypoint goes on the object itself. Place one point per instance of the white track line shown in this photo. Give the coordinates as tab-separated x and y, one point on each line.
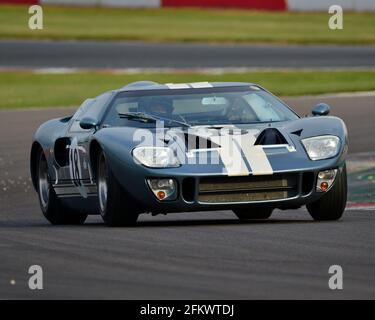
212	70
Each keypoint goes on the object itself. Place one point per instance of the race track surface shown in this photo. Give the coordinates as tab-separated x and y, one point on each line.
86	54
207	255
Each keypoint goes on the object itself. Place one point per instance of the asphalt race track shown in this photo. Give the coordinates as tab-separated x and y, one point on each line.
90	54
181	256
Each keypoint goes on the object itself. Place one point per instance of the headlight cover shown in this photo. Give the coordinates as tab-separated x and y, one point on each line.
156	157
321	147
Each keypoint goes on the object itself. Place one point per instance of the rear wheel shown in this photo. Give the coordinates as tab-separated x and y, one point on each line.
52	208
331	206
115	207
253	214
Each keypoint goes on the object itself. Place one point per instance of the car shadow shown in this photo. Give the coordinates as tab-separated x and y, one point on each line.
207	222
160	223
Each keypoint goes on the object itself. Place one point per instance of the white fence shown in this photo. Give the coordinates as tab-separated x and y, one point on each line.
106	3
323	5
291	5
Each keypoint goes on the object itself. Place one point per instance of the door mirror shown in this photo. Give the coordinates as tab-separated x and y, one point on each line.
88	123
321	109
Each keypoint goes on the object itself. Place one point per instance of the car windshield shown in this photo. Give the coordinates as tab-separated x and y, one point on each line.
209	106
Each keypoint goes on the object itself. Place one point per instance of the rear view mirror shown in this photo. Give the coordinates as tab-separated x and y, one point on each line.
321	109
214	101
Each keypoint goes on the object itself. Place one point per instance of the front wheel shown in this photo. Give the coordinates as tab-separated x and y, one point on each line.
253	214
331	206
115	207
53	210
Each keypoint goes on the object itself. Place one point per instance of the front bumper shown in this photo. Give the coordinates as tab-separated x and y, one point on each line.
190	178
226	193
194	195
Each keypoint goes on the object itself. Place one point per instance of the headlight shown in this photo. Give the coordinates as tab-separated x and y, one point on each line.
321	147
156	157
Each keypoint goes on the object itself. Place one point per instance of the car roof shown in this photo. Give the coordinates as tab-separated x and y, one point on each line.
150	85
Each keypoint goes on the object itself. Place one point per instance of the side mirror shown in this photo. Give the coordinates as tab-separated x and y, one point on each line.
88	123
321	109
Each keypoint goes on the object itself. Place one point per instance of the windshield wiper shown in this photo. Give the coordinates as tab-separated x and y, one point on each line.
145	117
137	116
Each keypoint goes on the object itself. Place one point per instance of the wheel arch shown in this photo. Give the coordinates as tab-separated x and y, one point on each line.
95	149
35	148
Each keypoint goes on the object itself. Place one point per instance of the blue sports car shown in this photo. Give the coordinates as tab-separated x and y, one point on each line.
162	148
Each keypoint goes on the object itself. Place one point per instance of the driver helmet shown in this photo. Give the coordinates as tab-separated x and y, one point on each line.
159	106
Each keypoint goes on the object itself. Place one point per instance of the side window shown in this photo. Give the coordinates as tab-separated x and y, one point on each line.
89	108
75	127
96	109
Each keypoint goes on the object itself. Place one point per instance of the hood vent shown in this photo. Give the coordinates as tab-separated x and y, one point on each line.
298	132
270	136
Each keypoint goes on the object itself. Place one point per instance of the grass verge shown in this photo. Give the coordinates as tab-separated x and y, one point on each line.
187	25
26	89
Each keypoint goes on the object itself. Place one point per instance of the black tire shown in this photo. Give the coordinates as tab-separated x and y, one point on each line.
53	210
253	214
115	208
332	205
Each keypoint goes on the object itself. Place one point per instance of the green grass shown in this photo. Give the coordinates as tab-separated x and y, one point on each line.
187	25
22	89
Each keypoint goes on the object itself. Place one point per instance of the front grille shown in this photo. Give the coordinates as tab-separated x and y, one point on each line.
247	189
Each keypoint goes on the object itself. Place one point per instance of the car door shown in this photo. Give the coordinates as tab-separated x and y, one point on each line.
75	176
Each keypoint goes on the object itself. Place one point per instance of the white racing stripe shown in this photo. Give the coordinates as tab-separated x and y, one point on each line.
258	160
237	151
201	85
236	147
255	155
195	85
231	157
177	85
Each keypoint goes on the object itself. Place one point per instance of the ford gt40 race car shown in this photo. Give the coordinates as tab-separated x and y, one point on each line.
161	148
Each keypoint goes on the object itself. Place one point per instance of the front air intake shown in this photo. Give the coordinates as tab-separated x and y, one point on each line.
248	189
